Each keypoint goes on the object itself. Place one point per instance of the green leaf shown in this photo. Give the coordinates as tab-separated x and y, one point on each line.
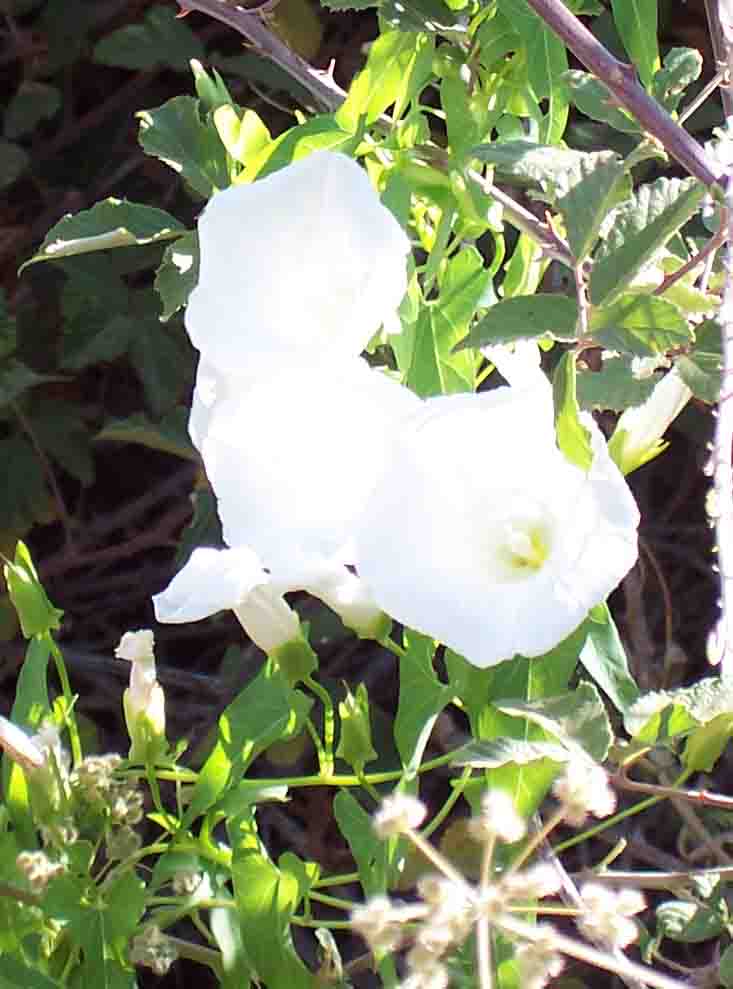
267	898
32	102
573	437
178	274
596	101
688	922
585	194
15	975
158	354
388	77
339	5
461	124
321	133
701	368
422	698
706	744
420	348
108	224
24	496
527	160
170	435
242	133
725	968
463	285
702	374
175	133
506	751
355	742
614	387
495	38
524	317
356	826
682	66
161	39
642	325
17	378
636	22
13	162
576	718
546	62
61	430
36	613
604	658
30	707
642	226
264	712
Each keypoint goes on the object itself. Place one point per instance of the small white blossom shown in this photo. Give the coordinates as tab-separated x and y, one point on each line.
583	789
143	701
303	262
398	814
607	914
498	819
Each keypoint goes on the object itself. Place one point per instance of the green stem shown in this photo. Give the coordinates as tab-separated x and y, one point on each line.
347	877
74	739
448	806
331	901
329	726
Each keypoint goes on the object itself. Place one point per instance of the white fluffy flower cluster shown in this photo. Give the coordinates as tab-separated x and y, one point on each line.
460	515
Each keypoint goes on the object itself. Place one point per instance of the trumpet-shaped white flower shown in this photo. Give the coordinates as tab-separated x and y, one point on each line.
293	458
219	580
143	701
638	434
304	262
483	535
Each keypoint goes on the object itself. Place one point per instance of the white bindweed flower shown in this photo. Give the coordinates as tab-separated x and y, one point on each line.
483	535
303	262
293	459
216	580
637	437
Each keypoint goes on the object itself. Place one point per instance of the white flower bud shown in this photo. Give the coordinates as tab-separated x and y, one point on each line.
638	434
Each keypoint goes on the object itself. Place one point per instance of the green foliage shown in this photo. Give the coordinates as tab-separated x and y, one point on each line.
161	39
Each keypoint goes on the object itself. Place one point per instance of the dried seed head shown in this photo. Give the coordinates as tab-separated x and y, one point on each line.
498	819
607	915
398	814
583	789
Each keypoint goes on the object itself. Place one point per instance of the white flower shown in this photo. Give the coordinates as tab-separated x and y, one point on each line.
304	262
482	534
293	459
638	434
218	580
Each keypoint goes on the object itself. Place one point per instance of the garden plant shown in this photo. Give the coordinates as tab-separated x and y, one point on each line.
410	343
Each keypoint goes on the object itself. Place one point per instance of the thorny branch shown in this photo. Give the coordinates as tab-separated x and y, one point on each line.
622	82
253	27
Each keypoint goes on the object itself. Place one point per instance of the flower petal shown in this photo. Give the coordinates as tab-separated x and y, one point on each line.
213	580
293	459
305	261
